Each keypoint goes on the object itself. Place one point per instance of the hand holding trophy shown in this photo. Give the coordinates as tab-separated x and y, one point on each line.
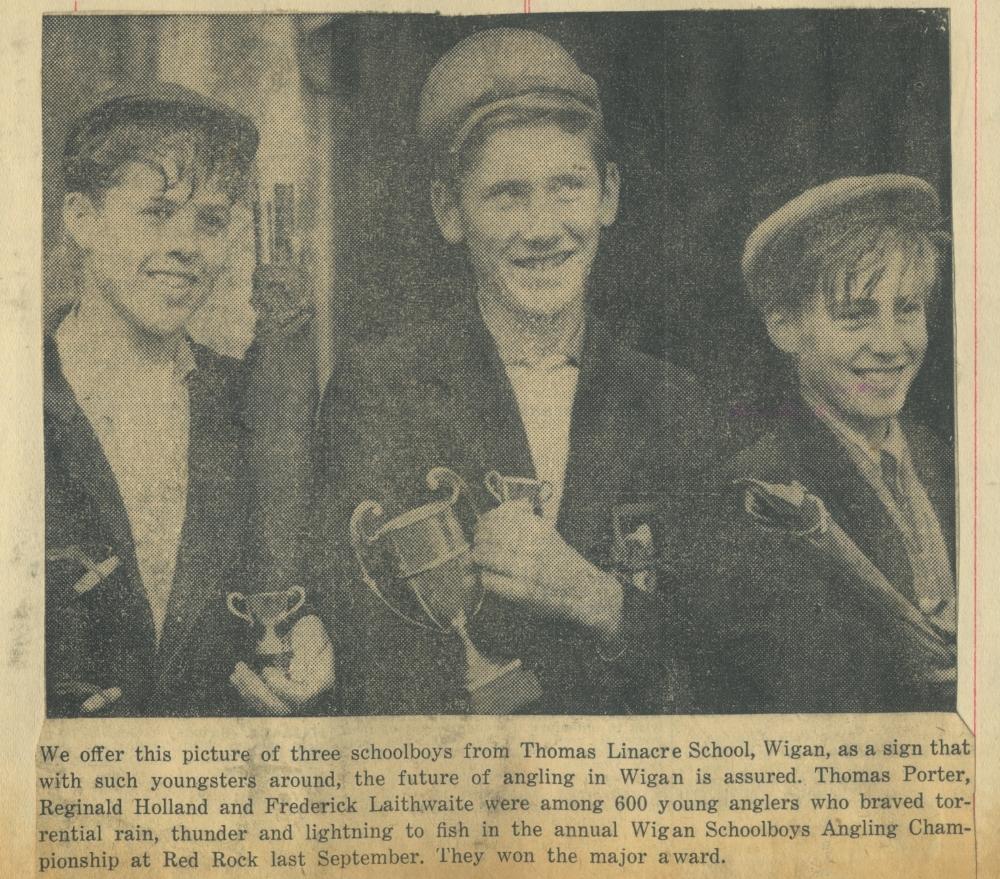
427	548
524	560
307	672
291	668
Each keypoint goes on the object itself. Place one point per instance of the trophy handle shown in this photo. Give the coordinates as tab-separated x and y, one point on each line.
494	485
232	600
299	599
439	477
364	513
368	513
445	477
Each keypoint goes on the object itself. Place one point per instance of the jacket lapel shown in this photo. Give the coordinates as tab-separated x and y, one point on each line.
608	440
936	474
593	463
83	459
487	431
83	456
851	500
213	517
479	411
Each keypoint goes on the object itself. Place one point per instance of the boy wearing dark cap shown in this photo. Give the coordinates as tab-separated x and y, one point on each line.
146	444
520	379
827	578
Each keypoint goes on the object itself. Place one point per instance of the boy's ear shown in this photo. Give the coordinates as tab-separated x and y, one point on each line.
446	212
79	218
785	329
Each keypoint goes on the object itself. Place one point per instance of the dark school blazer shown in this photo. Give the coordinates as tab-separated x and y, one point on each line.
106	637
439	395
772	624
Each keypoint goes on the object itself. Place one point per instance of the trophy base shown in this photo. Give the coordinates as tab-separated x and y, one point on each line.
512	688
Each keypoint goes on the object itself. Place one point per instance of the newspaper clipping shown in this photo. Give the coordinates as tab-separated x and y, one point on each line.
502	440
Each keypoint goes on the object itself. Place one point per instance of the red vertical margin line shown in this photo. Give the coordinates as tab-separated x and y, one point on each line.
975	419
975	362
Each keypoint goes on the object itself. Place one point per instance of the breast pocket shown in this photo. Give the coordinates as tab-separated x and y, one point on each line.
83	585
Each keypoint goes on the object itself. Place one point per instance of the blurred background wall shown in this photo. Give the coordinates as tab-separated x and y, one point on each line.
718	118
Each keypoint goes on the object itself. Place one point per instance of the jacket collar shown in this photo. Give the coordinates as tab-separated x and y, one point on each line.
852	501
524	346
459	343
85	456
459	356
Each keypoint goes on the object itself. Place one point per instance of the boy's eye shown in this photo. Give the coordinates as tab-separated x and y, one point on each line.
909	307
214	222
507	191
853	311
570	183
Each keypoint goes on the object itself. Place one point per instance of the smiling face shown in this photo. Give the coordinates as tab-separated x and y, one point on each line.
860	344
151	249
530	208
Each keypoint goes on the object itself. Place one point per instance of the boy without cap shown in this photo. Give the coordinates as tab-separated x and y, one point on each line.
146	440
842	275
521	379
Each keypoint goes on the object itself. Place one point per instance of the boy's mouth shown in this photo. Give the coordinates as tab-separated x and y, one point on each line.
177	280
877	371
882	379
542	261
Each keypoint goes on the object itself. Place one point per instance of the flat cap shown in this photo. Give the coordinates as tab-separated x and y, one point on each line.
495	70
886	198
155	101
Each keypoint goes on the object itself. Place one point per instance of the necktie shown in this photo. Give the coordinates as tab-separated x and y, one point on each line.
892	476
932	586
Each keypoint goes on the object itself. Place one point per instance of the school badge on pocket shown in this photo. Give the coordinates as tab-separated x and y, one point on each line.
633	554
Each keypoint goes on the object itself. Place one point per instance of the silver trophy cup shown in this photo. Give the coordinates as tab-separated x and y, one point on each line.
427	548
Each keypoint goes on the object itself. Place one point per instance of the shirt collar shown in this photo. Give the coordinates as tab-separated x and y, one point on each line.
519	343
894	442
82	339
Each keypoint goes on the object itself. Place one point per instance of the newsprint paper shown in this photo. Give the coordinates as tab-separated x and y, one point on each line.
499	439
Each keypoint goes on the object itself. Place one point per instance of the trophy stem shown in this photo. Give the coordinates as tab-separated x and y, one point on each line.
479	671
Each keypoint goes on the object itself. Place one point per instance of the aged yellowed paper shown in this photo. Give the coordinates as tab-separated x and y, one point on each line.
549	253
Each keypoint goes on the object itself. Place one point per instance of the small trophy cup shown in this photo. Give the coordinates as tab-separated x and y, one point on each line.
515	488
427	548
268	610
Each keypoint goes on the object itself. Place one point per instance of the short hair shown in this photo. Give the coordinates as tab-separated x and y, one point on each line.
181	148
452	166
840	257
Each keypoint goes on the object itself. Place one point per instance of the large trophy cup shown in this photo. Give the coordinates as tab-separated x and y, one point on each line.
428	550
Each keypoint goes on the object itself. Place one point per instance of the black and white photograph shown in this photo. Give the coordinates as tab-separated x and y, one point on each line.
562	364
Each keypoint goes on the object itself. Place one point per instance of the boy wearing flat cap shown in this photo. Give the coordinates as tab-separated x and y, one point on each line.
146	440
521	379
827	577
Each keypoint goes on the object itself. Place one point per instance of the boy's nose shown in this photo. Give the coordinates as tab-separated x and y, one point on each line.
543	223
183	241
887	338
